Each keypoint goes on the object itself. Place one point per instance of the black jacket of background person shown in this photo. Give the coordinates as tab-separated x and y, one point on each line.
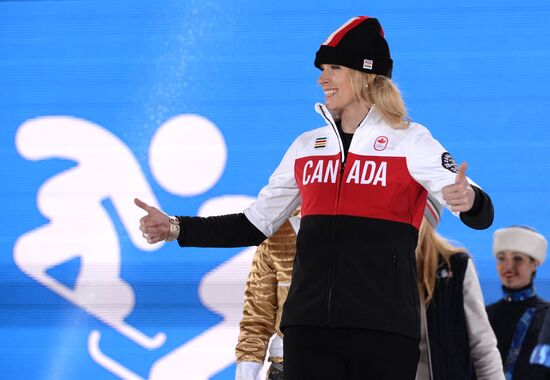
449	346
355	261
504	316
544	340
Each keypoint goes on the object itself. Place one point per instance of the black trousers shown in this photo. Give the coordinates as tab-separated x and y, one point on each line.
322	353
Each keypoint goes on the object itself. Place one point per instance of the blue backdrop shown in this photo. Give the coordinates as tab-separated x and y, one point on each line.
190	105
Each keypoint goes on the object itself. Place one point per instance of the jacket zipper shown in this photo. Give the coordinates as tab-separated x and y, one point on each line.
333	245
395	278
329	119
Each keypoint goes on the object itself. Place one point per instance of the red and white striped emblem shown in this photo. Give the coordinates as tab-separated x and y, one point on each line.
339	33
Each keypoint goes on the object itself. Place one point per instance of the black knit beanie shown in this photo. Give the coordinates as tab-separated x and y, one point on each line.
358	44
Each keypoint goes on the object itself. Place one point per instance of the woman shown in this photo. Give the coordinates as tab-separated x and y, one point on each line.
362	182
455	329
518	317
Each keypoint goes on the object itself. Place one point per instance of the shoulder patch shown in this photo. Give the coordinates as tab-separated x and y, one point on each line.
448	162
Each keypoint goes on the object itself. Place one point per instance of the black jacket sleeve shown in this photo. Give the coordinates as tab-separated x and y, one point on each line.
482	213
231	230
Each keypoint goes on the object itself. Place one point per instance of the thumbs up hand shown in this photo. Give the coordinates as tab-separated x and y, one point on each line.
460	195
155	225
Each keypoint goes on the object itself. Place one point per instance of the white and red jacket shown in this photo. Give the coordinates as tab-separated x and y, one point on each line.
355	263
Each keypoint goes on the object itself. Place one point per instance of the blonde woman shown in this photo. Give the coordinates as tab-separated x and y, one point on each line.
362	181
456	332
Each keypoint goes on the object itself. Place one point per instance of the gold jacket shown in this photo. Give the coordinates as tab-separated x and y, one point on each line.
266	290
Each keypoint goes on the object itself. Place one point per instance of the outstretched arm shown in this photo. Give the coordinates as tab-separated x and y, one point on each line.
231	230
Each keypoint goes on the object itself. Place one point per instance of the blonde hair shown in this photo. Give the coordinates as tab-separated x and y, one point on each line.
430	247
380	90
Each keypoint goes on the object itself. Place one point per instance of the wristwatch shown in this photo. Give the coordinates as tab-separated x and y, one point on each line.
174	228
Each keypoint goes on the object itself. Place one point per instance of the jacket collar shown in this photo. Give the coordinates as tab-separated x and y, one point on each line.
518	295
372	117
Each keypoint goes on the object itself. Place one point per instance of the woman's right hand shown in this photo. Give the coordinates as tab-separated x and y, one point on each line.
155	226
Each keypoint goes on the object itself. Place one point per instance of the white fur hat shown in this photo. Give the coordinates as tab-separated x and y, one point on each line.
520	239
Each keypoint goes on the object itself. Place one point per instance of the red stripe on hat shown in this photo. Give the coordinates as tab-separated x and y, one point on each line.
335	37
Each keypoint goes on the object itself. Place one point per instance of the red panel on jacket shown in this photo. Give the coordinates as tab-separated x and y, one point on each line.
376	187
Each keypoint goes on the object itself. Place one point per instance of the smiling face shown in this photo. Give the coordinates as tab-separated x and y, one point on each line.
515	269
336	83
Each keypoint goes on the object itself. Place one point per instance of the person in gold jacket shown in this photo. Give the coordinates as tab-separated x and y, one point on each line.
266	291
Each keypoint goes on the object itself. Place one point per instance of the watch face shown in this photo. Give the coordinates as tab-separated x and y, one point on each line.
174	220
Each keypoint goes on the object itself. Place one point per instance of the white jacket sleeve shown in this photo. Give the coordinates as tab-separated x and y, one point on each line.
279	198
483	343
429	163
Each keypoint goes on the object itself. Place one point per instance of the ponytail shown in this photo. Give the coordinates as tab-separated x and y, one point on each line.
380	90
